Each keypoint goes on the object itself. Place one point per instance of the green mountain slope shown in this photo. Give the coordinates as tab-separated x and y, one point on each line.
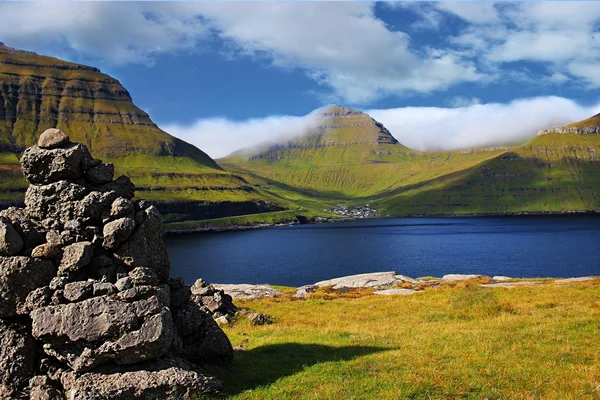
39	92
555	172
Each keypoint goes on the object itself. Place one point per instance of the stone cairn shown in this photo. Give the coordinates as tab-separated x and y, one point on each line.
87	308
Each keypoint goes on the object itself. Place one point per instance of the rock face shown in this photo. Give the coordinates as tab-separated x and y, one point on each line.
87	308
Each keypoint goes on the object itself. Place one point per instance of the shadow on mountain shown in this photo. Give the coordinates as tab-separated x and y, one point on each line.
507	183
265	365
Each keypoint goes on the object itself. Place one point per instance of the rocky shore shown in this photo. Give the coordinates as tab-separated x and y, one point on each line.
389	283
88	309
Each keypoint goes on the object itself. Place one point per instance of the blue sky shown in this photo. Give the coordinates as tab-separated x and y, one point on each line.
227	75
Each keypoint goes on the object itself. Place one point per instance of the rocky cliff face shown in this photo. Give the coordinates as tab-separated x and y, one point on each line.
87	307
38	92
587	130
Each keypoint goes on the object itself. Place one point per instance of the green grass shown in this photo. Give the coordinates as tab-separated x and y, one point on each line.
467	342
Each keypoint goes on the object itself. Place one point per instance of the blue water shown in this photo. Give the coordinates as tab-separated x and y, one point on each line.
544	246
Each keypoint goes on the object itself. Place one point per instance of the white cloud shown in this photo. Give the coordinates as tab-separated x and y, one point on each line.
121	33
420	128
219	137
343	46
479	125
561	36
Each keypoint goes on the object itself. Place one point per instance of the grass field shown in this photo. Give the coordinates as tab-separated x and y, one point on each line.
463	342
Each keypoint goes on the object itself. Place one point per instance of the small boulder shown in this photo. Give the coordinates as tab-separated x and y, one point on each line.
42	388
161	379
43	166
46	250
18	277
37	298
11	242
104	288
143	276
17	356
75	257
146	247
78	291
258	319
30	231
121	207
53	138
116	232
124	283
100	174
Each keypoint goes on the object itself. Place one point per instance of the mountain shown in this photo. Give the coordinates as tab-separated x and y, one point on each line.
557	171
39	92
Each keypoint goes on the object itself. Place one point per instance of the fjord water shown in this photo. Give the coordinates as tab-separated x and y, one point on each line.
528	246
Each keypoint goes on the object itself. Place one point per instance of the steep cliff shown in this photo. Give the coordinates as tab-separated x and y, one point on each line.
39	92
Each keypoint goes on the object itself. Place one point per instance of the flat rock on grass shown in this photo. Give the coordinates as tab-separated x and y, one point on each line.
571	280
459	277
393	292
246	291
376	280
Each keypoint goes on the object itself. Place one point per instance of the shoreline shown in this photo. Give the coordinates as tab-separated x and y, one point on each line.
233	228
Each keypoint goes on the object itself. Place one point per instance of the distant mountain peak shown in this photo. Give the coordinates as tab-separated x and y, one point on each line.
345	125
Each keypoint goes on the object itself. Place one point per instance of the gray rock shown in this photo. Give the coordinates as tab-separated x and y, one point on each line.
11	242
143	276
58	282
121	207
376	280
135	293
146	248
17	355
43	166
404	279
116	232
258	319
124	283
18	277
56	200
100	174
245	291
78	291
53	138
101	330
47	250
42	388
75	257
162	379
202	339
104	288
120	187
305	290
73	225
30	231
37	298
